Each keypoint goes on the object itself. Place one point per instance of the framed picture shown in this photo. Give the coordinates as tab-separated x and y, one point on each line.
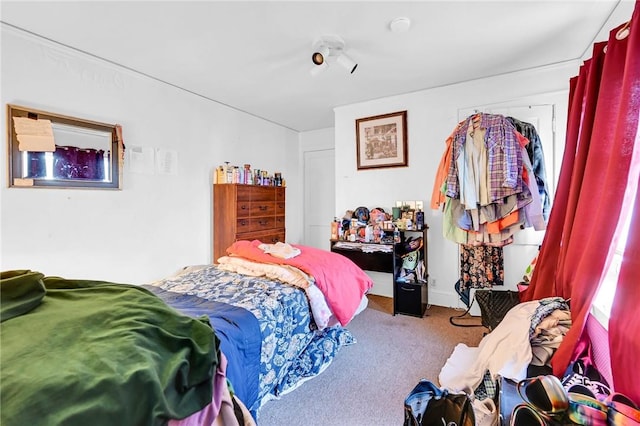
381	141
408	214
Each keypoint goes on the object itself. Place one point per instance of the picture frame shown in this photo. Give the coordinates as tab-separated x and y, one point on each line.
381	141
409	214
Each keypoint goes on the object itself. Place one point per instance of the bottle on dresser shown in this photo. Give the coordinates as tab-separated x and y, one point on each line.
396	235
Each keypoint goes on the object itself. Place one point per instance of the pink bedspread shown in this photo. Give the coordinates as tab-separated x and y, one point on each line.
341	281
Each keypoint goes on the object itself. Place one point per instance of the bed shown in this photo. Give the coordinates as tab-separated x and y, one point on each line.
175	351
301	305
80	352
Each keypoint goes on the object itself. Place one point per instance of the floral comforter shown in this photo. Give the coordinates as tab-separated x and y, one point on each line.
293	349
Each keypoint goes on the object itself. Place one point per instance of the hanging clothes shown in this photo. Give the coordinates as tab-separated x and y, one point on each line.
534	212
536	157
486	186
504	159
481	267
437	195
485	183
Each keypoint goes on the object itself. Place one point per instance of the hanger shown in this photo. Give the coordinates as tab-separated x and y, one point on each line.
476	118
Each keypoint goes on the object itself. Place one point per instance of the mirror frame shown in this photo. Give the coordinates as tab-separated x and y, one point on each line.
15	168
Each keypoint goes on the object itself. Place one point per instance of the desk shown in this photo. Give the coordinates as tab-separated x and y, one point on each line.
379	261
409	298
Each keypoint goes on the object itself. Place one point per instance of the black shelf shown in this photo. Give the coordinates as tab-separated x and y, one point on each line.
409	298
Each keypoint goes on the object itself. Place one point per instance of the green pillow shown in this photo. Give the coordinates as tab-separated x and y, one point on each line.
20	292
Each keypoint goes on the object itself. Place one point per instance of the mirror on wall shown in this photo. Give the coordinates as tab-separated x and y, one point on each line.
51	150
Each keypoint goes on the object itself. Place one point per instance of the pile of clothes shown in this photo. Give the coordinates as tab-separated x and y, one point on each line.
529	334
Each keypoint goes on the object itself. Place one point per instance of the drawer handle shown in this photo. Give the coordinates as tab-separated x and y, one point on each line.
407	288
263	208
243	207
243	223
263	222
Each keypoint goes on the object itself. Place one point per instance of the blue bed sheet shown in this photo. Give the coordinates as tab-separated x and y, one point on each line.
239	334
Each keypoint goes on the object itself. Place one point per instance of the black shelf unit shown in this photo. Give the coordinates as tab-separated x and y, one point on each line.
410	297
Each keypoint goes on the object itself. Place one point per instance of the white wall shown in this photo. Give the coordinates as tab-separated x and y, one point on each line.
317	140
432	115
157	223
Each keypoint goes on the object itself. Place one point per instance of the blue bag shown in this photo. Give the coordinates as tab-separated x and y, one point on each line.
428	405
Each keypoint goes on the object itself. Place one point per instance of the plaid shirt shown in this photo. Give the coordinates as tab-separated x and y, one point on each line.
505	157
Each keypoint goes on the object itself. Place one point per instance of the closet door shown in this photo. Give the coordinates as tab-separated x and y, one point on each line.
525	246
319	197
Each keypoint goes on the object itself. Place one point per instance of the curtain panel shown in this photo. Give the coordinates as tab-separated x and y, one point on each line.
599	165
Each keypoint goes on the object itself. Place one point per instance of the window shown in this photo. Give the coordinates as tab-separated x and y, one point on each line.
51	150
601	306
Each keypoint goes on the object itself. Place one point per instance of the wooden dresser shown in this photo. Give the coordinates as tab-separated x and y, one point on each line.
247	212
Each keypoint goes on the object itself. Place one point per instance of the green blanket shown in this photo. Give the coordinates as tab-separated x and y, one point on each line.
95	353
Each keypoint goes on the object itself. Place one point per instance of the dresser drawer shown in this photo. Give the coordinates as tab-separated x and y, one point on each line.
244	193
243	225
262	223
243	209
256	224
280	221
273	238
262	193
268	237
263	208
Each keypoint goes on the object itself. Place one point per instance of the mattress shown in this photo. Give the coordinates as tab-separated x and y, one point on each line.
292	348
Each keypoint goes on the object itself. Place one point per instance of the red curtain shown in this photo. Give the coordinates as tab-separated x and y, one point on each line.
602	132
624	325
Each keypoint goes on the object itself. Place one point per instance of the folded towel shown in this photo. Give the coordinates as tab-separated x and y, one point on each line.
281	250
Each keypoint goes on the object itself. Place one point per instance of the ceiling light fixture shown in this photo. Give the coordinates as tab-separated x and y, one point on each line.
330	47
319	68
320	56
400	25
347	62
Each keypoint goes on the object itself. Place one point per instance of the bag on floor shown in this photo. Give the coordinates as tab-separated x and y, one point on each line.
494	305
428	405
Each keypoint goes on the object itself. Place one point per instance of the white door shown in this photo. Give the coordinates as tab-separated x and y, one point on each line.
319	197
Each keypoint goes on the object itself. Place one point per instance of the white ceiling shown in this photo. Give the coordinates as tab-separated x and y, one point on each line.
256	56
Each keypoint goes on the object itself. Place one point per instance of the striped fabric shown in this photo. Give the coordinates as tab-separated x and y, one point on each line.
505	157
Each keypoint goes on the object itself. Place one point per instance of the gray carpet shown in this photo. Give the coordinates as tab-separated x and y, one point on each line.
368	381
